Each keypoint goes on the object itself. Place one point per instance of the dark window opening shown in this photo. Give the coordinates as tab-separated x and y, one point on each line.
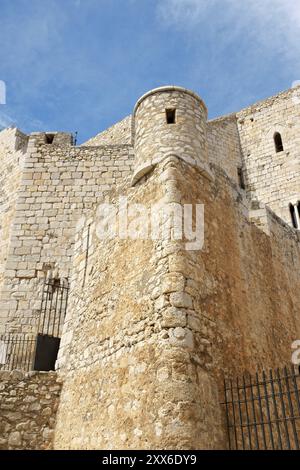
46	352
278	142
293	216
49	138
241	178
170	116
298	207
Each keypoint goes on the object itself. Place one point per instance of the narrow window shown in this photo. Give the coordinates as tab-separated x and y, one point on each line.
298	207
278	142
49	138
241	178
293	216
170	116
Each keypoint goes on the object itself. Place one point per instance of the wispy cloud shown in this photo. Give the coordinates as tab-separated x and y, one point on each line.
6	121
273	24
240	51
81	64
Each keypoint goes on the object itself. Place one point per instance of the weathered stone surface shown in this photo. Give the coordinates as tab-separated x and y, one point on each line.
172	317
15	439
151	328
28	422
181	300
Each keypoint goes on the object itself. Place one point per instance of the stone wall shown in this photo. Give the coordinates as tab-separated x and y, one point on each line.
12	152
224	145
153	329
118	134
272	178
131	378
222	141
155	138
59	183
245	281
28	404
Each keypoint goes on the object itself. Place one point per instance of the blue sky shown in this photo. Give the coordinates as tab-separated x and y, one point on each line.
80	65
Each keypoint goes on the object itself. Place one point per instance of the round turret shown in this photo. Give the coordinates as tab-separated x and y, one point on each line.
168	121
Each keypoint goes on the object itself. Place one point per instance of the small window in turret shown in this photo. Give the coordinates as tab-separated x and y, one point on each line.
278	142
170	116
49	138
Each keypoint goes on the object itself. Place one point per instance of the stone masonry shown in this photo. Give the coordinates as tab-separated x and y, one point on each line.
27	408
151	328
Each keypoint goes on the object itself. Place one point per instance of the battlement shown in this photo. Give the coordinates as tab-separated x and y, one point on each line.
51	138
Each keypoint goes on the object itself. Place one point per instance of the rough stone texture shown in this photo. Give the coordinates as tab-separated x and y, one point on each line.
118	134
28	404
154	328
118	347
59	183
12	152
151	328
272	178
155	139
224	147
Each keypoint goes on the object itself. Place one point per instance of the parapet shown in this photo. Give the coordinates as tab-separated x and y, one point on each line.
51	138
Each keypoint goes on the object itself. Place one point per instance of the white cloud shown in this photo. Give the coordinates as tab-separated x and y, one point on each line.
273	24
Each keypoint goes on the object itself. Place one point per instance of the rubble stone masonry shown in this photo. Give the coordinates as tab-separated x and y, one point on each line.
28	404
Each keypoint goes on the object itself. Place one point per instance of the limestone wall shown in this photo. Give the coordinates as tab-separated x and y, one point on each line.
224	145
28	404
155	138
118	134
273	178
128	346
154	328
59	183
244	281
12	149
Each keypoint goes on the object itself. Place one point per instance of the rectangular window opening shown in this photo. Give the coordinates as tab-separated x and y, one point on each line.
49	138
241	178
170	116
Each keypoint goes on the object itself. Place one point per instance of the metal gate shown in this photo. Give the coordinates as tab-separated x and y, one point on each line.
53	312
38	352
263	411
54	307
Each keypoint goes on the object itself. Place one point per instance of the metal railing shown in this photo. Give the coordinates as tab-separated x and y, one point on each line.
29	352
17	352
263	411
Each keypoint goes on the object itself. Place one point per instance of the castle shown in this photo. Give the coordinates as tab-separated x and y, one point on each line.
143	332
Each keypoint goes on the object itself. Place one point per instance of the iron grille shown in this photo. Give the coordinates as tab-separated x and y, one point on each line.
17	352
39	352
263	411
54	306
